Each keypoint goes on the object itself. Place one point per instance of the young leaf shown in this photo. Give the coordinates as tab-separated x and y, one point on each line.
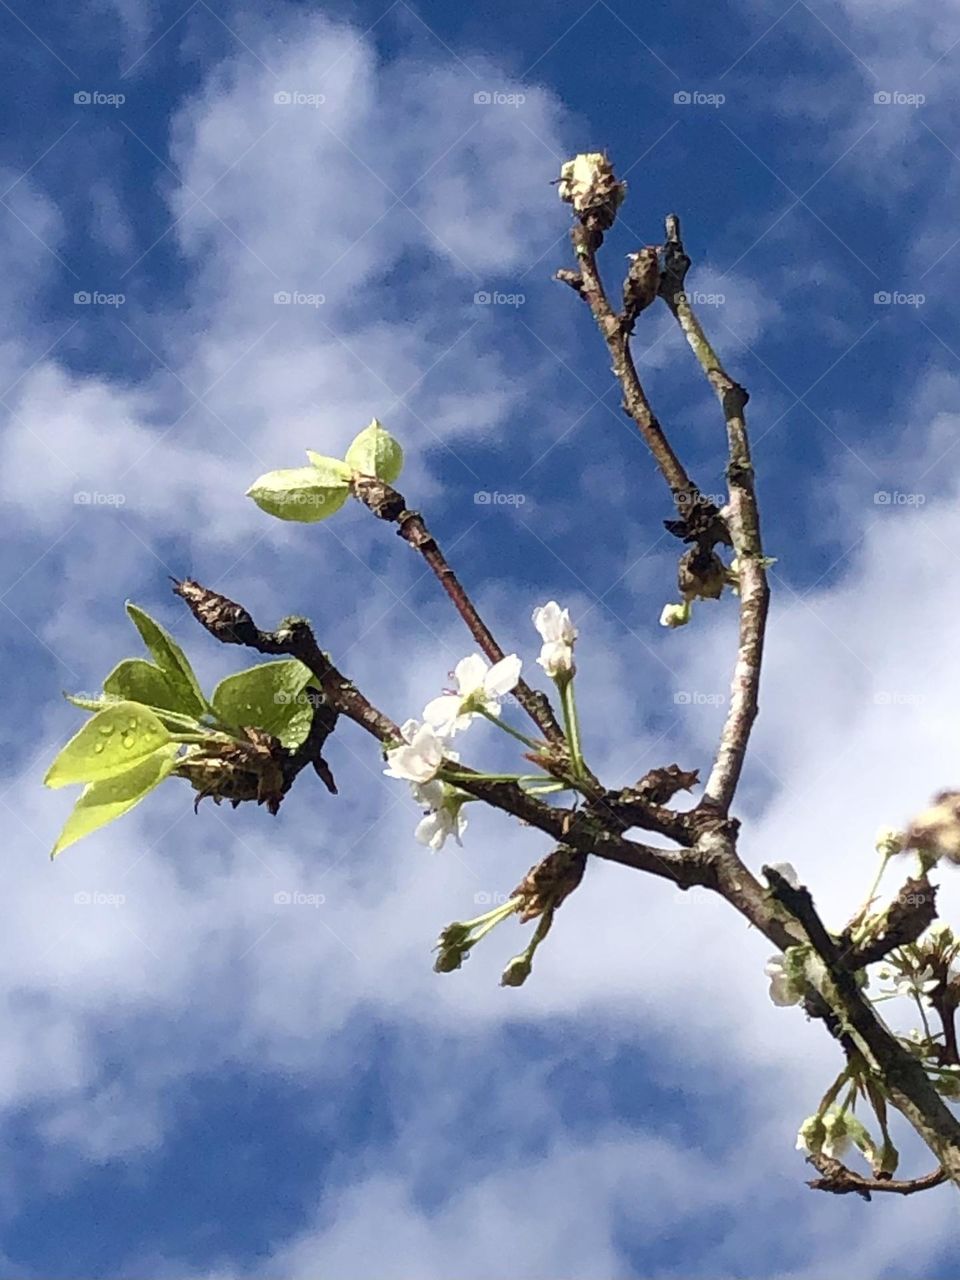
332	470
375	452
102	802
305	494
112	742
269	696
171	660
136	680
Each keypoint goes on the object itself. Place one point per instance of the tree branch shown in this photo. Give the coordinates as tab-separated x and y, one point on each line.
743	521
387	504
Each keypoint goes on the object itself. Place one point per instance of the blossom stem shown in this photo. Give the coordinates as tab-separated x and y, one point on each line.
447	775
571	725
859	918
514	733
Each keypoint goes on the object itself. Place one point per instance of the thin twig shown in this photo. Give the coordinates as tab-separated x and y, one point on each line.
387	504
743	521
840	1180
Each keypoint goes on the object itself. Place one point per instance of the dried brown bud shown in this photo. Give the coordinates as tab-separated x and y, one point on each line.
549	882
224	619
701	574
660	785
641	285
238	771
936	832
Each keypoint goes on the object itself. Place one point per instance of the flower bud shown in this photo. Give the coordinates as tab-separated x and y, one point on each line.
517	971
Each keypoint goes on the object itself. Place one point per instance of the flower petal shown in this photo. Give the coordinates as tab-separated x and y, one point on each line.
503	676
470	674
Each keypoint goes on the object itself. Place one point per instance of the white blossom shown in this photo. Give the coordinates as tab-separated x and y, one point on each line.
811	1135
420	756
783	991
838	1138
443	817
675	615
558	634
479	689
922	983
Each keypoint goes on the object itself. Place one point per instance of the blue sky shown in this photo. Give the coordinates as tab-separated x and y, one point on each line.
198	1082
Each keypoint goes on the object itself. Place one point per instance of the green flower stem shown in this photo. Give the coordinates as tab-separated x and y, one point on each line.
830	1096
571	725
447	775
491	918
514	733
856	933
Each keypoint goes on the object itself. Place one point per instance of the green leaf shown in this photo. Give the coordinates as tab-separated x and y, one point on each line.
102	802
136	680
376	453
171	660
269	696
332	470
305	494
112	742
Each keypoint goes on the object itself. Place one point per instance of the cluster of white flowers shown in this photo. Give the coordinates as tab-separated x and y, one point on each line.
480	687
